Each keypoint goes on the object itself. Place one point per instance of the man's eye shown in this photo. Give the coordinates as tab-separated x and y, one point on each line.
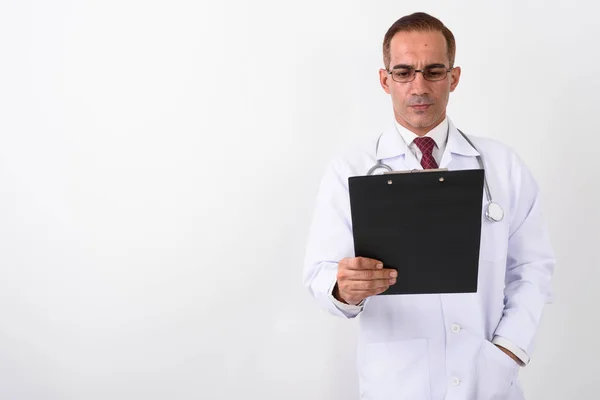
402	73
435	72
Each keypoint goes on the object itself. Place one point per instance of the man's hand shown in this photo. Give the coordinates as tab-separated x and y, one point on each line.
359	278
510	354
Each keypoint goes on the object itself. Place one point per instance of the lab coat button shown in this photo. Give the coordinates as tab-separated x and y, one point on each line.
455	381
456	328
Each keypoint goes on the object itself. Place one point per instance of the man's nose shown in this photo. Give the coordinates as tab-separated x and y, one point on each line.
420	85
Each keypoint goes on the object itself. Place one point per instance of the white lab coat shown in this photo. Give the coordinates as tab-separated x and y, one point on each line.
433	347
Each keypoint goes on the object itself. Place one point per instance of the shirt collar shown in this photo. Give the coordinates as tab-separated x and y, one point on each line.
439	134
391	143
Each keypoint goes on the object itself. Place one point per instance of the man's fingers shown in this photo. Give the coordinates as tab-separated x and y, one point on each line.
371	285
380	290
358	290
362	263
372	292
371	274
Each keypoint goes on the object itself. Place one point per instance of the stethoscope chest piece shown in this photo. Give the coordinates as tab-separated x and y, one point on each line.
494	212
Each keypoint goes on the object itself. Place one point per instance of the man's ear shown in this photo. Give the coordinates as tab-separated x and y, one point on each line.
384	79
454	78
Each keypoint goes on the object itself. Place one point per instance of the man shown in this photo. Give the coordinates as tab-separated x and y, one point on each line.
448	346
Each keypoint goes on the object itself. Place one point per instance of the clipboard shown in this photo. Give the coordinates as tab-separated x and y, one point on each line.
425	224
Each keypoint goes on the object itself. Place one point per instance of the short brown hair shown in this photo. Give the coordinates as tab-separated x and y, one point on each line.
418	22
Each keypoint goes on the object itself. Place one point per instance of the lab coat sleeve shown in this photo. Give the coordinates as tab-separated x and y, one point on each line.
516	350
330	240
530	262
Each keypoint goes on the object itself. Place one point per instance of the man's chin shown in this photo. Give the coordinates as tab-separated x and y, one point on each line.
422	123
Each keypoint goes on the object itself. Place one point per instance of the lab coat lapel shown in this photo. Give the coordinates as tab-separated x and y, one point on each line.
456	145
392	150
392	146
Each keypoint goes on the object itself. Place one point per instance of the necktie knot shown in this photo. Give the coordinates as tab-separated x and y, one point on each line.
426	144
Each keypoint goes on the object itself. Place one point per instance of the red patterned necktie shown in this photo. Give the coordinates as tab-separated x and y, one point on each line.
425	144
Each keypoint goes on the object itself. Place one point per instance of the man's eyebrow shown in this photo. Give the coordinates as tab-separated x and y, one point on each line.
402	66
438	65
435	65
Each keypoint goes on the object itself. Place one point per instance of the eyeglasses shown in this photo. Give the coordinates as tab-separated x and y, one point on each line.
405	73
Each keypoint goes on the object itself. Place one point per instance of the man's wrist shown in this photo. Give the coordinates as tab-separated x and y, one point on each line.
336	294
510	354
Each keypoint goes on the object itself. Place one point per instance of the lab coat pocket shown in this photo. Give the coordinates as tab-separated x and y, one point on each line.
496	373
395	370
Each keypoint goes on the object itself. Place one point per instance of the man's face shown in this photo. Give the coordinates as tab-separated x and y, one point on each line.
419	105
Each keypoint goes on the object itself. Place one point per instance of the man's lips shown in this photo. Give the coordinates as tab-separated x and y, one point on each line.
421	107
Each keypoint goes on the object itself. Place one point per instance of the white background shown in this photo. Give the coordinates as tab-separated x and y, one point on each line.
159	162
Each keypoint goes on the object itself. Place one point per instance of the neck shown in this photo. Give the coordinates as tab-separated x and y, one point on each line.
420	131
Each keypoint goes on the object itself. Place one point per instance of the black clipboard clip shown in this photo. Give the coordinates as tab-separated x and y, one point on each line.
410	171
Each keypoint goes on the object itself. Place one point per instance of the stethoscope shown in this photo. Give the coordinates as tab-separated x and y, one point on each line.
493	212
